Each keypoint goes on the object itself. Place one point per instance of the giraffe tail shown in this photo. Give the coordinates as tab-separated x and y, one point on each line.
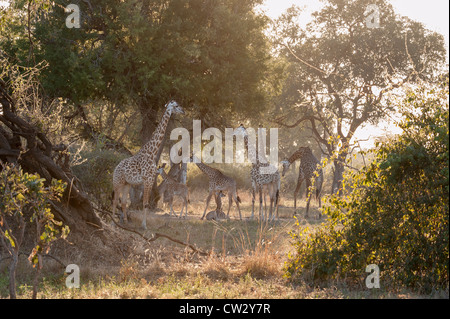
238	199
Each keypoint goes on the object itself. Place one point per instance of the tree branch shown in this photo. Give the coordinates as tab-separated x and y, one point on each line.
154	237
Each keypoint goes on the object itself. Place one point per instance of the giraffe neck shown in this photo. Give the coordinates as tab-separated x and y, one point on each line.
151	147
252	152
206	169
297	155
164	175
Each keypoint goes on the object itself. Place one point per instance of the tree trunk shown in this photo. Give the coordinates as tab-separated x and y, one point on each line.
12	274
38	156
338	175
149	115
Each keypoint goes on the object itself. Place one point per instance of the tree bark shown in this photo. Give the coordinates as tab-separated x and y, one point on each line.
338	176
37	156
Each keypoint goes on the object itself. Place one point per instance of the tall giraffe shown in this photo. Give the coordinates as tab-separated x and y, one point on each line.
219	182
309	168
141	168
261	182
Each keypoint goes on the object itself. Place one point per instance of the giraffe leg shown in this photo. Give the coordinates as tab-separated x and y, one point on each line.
277	199
253	203
208	199
307	207
237	204
171	208
271	205
230	202
147	190
117	193
308	194
319	200
261	213
183	207
272	202
297	189
124	199
265	204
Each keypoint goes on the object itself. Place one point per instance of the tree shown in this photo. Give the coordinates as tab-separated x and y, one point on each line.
131	57
24	200
23	141
395	211
342	72
209	55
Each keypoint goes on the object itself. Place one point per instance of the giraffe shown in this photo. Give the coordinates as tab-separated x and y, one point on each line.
218	213
173	188
261	182
141	168
219	182
308	169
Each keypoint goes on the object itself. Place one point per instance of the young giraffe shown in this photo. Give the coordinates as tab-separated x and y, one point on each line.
218	213
173	188
219	182
141	168
261	182
308	170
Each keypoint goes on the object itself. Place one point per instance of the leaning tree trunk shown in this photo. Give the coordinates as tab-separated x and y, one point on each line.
38	155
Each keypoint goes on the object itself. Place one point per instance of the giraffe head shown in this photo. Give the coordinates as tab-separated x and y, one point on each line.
160	169
286	165
174	108
240	131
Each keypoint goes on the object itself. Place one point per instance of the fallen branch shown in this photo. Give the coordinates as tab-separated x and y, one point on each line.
45	255
154	237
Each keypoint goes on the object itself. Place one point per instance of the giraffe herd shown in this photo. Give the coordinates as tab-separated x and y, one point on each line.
142	169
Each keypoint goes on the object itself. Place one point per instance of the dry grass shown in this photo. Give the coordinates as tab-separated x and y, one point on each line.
246	260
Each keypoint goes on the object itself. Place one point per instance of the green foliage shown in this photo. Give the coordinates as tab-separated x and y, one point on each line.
25	201
340	72
138	54
395	212
96	173
22	193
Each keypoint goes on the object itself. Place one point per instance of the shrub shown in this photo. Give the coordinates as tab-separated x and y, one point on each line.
96	173
395	211
25	200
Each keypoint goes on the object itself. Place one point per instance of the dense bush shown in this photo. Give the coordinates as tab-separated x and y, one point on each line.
395	211
96	173
25	206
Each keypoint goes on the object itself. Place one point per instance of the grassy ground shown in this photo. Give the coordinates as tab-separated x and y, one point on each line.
247	260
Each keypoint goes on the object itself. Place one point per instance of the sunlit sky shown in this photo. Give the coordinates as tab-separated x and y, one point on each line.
434	14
